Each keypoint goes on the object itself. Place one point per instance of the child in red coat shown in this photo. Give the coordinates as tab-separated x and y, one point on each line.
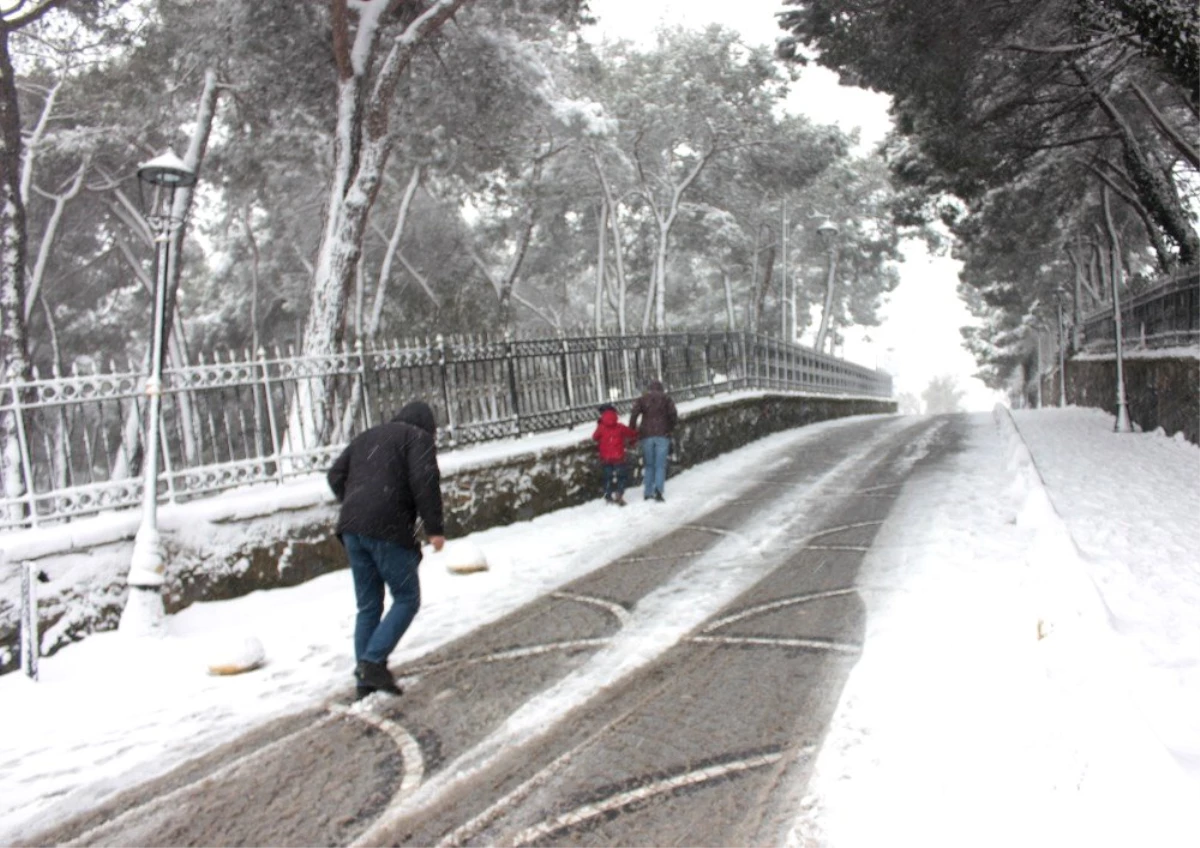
611	436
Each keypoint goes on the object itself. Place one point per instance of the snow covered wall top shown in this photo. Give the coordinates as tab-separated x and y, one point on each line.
277	536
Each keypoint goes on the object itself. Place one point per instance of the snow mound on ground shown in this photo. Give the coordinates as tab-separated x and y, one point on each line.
236	655
459	556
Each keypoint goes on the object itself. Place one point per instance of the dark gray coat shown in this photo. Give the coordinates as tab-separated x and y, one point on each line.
654	413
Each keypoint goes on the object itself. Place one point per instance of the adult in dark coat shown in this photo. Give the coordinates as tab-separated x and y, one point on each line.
386	479
654	417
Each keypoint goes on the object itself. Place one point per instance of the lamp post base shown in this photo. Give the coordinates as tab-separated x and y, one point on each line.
1122	424
143	614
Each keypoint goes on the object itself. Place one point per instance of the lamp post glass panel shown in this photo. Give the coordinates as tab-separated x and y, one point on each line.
143	612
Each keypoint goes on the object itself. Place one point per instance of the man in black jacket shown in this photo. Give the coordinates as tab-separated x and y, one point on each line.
386	479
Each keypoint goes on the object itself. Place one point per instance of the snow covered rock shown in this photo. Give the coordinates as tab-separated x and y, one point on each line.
459	556
236	656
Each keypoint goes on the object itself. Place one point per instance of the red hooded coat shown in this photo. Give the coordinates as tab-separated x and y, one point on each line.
611	436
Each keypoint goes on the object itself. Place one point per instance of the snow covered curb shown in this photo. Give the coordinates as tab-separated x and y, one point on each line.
1086	661
1066	596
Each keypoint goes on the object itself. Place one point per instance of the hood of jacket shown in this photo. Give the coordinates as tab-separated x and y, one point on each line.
608	417
419	414
654	386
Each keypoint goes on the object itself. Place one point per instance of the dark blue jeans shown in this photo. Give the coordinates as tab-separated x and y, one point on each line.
654	463
615	475
376	563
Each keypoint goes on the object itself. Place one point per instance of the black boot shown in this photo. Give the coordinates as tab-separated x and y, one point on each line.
376	676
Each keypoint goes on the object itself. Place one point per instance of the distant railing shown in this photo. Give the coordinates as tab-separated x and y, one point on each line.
1167	315
225	421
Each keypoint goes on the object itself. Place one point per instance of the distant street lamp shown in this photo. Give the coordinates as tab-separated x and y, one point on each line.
1122	423
1059	294
783	281
828	231
143	611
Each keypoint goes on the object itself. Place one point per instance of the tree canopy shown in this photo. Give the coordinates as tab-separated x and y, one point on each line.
1015	122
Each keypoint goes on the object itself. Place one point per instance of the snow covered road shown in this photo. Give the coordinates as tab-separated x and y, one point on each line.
678	686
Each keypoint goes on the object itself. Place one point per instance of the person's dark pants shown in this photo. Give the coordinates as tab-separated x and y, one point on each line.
615	475
376	563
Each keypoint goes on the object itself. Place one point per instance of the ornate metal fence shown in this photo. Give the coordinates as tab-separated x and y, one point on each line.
1167	315
231	421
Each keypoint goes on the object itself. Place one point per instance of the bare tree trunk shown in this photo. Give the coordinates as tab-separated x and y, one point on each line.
1076	297
1153	233
368	77
618	254
766	274
730	319
194	159
505	286
602	230
665	217
651	299
827	312
39	267
14	350
255	259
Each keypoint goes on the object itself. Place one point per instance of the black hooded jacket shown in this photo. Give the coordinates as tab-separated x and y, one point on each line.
388	476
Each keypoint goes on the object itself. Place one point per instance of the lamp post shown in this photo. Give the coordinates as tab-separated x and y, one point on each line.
828	231
1059	293
143	613
783	266
1122	423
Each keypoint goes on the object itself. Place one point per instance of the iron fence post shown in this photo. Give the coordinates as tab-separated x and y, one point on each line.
365	373
600	371
513	395
444	377
709	377
728	371
271	423
566	376
604	375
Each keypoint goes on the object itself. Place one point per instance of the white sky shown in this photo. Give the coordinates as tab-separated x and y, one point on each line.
920	338
957	726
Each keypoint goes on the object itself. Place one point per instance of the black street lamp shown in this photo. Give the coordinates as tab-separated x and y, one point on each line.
828	231
143	611
1122	423
1059	294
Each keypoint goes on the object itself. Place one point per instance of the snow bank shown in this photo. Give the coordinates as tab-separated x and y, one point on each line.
1086	660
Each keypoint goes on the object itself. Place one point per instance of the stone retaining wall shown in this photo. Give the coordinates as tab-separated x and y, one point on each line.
226	559
1159	392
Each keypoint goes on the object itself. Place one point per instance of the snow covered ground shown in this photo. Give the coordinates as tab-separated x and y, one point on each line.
959	725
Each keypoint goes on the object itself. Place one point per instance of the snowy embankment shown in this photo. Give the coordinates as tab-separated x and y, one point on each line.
1013	625
1085	643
